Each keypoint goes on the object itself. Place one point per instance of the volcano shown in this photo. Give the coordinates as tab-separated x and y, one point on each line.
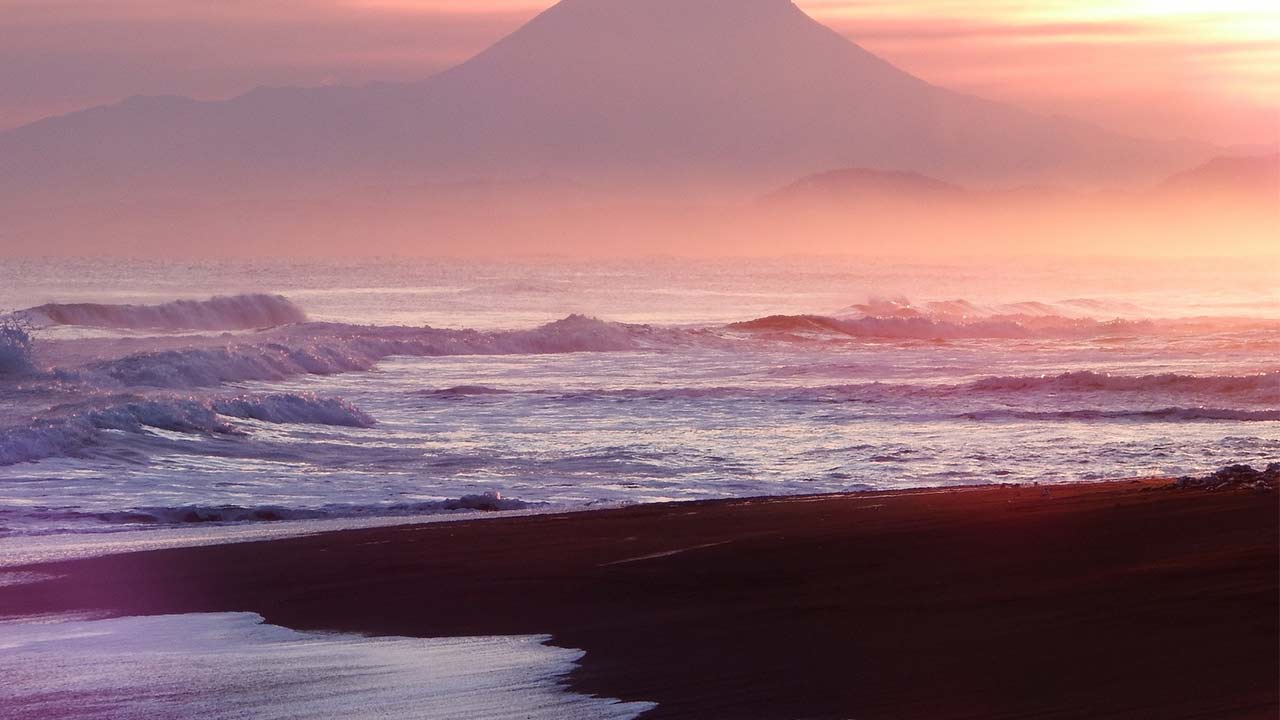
655	98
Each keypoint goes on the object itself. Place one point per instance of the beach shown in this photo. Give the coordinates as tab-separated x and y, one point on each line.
1136	599
640	360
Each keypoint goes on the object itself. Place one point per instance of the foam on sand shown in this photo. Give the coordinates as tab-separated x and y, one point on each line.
233	665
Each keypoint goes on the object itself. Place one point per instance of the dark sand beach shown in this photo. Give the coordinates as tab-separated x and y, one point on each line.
1124	600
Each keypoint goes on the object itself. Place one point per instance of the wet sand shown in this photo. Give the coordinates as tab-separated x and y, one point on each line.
1123	600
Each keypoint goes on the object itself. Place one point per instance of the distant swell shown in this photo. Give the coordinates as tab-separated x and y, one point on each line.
73	432
1171	414
464	391
924	328
238	312
1262	387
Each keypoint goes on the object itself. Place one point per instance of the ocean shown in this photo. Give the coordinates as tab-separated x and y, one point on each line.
145	395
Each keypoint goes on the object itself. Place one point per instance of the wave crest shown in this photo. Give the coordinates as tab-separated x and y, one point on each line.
490	501
234	312
916	327
15	348
1170	414
71	432
1250	390
1262	386
291	409
326	349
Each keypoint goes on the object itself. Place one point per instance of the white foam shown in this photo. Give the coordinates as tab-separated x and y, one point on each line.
16	552
11	578
232	665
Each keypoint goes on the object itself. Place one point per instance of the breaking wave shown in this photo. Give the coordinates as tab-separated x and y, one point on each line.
321	349
236	312
71	432
195	514
294	409
15	348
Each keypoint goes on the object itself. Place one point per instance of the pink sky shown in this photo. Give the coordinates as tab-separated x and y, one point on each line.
1207	69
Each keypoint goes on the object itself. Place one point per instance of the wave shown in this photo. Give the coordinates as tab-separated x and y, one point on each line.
326	349
463	391
330	348
236	312
294	409
919	327
1258	386
197	514
15	348
881	393
962	308
73	431
1170	414
1251	389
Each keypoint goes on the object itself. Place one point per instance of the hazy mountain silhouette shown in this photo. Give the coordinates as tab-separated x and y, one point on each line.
728	97
1251	178
863	185
1240	179
1232	202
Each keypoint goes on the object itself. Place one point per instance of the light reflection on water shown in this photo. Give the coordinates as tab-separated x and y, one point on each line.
720	413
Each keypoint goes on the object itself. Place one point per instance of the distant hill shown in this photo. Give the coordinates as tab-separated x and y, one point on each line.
1227	205
1244	178
1251	178
862	185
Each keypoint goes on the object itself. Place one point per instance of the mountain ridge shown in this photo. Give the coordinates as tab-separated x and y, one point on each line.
685	99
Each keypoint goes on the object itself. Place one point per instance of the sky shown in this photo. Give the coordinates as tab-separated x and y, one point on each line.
1202	69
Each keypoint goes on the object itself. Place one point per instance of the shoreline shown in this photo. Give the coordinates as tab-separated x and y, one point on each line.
20	551
1123	599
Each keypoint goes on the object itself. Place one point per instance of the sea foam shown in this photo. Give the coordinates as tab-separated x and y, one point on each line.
223	666
487	502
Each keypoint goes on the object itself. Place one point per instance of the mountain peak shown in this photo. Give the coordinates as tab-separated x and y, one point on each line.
665	23
726	8
647	98
705	21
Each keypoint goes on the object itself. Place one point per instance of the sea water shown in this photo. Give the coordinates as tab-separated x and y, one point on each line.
158	396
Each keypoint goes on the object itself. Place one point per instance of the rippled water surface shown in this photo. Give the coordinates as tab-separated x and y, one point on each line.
364	389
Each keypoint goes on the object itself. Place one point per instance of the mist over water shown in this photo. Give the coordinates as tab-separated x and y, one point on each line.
157	394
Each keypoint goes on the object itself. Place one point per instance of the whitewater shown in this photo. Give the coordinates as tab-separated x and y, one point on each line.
143	395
